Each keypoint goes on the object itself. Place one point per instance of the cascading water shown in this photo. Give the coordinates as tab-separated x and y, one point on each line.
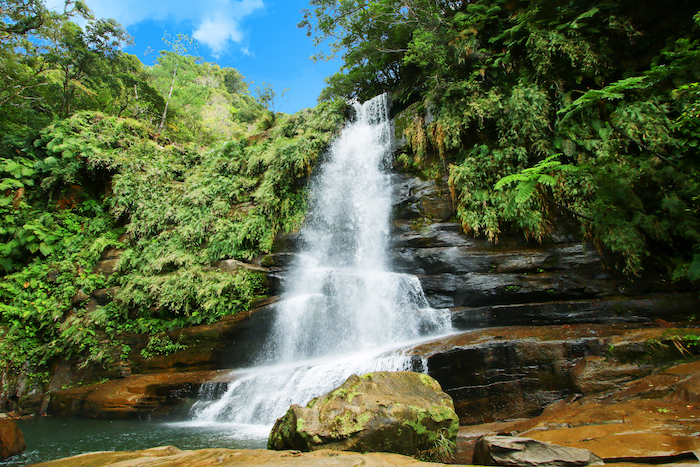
343	311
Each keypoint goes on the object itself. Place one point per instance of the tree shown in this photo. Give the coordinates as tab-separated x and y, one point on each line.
52	67
488	92
374	38
82	57
181	46
268	97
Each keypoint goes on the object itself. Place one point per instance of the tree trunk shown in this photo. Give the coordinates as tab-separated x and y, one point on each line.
167	102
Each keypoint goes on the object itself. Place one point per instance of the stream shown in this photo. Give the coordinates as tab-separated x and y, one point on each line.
50	438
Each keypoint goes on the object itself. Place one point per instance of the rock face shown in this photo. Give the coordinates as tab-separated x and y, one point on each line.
231	342
652	420
228	343
401	412
139	396
479	276
514	372
169	456
522	452
11	439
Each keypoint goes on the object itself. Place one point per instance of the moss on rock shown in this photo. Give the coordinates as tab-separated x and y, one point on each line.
402	412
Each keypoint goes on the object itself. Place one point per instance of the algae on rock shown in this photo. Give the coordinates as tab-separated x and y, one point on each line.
401	412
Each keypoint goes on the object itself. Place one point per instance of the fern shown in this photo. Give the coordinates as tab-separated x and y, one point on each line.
528	179
614	91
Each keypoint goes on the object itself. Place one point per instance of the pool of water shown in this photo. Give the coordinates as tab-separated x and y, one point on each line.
50	438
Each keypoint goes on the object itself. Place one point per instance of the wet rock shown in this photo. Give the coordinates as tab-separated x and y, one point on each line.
400	412
11	439
408	235
642	309
140	396
30	404
457	270
287	242
17	388
416	198
232	342
597	374
91	305
104	296
109	261
522	452
169	456
513	372
468	436
79	297
106	266
653	420
275	260
478	289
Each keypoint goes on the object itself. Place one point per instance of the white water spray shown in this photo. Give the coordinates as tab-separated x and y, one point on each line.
343	312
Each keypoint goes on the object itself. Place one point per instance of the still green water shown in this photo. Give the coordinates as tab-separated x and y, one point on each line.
51	438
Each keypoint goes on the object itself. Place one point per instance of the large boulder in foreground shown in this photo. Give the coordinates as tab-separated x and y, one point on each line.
11	439
401	412
523	452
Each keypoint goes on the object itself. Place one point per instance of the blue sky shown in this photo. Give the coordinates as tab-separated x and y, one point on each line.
257	37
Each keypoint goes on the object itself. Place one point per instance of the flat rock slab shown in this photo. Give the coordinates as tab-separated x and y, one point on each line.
133	397
522	452
169	456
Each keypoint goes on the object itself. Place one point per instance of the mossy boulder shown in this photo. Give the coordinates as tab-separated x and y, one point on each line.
401	412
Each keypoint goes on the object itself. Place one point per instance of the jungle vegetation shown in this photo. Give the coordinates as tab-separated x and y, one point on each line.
529	109
534	109
177	165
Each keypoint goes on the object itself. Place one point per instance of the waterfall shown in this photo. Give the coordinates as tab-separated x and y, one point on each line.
344	311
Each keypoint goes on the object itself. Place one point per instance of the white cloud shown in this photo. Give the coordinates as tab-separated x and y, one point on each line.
215	33
217	22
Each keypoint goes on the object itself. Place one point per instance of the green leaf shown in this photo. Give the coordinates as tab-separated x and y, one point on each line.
525	191
694	268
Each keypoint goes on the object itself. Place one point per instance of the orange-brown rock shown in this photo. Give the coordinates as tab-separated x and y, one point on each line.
169	456
652	419
514	372
11	439
140	396
231	342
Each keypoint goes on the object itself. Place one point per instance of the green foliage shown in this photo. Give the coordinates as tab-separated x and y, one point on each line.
40	321
488	91
443	450
206	103
52	68
161	346
184	208
176	165
528	179
92	141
